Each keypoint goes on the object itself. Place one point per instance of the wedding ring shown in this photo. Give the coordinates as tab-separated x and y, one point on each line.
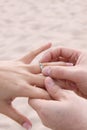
41	66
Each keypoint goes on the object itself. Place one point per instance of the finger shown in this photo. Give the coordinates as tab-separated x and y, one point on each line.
31	55
54	90
61	72
40	105
32	92
67	54
35	68
16	116
38	80
66	84
45	109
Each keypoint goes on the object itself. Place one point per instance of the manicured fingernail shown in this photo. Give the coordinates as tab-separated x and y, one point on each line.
27	126
46	71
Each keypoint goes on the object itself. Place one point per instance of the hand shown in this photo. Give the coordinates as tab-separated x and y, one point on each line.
17	79
74	76
66	112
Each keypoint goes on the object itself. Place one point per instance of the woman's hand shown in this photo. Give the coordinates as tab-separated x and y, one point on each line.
19	79
72	77
66	111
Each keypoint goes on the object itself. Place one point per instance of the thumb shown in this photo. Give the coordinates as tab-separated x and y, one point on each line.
61	72
54	90
15	115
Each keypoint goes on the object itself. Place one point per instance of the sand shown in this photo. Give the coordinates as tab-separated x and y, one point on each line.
27	24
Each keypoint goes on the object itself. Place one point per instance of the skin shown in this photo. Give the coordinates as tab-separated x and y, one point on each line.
19	78
71	77
65	111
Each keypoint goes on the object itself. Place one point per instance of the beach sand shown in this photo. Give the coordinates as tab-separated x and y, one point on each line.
27	24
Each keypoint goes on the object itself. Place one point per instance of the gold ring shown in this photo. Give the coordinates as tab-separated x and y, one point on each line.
41	66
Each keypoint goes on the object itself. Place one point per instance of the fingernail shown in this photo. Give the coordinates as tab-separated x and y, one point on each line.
69	64
46	71
27	126
50	82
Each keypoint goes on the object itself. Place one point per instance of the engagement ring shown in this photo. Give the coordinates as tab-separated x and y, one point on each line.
41	66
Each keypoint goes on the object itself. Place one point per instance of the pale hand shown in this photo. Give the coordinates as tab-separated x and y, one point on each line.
67	111
71	77
19	78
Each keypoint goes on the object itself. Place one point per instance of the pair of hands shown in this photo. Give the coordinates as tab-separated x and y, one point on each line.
19	78
68	110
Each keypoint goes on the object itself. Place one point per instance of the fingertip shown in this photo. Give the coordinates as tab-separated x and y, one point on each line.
47	56
49	83
46	46
46	71
18	117
27	126
49	44
52	88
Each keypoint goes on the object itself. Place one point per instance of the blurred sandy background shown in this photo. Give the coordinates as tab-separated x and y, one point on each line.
26	24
